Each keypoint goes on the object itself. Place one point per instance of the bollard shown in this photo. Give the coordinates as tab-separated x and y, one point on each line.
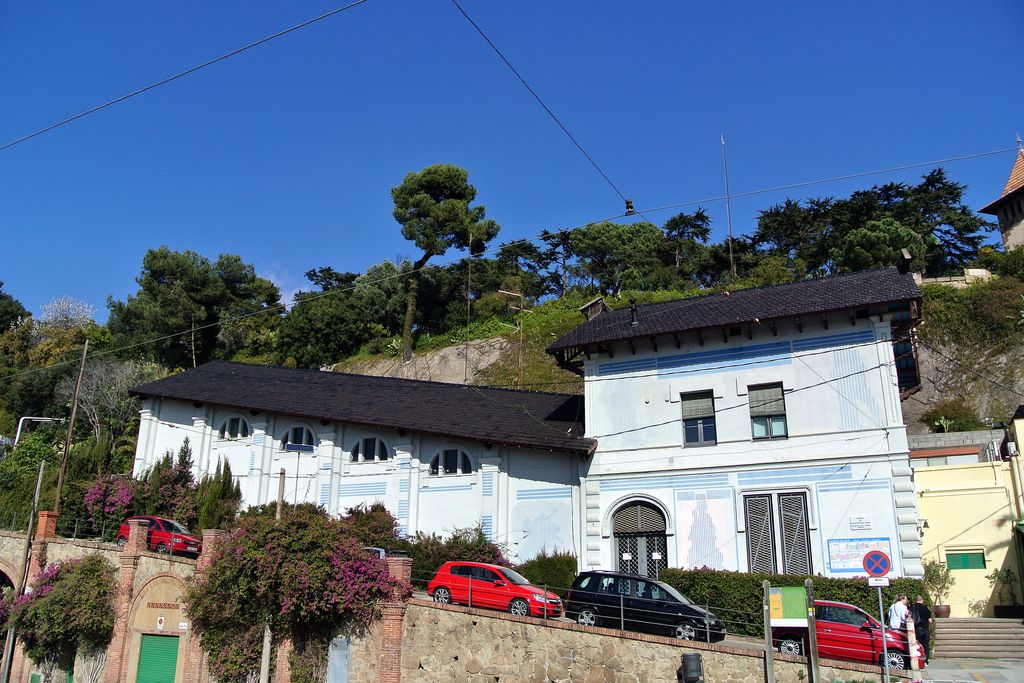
691	670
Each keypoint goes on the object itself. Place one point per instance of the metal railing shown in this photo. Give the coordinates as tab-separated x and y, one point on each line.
651	612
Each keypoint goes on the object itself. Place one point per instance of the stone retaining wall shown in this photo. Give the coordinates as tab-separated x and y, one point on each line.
452	644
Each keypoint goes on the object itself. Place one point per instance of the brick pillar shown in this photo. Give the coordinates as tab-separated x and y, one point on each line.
46	527
195	658
117	653
389	669
282	665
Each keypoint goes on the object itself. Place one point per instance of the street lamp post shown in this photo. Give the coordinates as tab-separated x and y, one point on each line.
29	418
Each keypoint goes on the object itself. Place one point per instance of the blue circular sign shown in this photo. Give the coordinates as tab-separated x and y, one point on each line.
877	563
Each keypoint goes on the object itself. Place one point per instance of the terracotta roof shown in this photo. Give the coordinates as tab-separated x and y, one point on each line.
872	288
947	450
528	419
1013	183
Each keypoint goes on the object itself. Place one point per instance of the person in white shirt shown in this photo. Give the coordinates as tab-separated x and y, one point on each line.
898	613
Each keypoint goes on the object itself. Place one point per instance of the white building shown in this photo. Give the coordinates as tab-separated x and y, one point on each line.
754	430
439	456
757	430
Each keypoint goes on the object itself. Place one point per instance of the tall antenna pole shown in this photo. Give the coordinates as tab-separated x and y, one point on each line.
469	307
728	206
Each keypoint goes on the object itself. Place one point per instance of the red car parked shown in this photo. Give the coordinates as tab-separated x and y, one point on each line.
164	536
488	585
847	632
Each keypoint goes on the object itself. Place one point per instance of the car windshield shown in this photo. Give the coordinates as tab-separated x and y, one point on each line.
674	593
174	527
515	578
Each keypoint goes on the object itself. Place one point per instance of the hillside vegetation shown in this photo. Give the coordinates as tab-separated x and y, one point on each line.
971	351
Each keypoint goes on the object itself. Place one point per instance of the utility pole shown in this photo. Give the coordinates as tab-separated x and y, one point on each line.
728	207
71	431
267	637
5	676
519	327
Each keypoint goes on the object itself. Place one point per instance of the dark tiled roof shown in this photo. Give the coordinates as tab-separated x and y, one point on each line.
837	293
529	419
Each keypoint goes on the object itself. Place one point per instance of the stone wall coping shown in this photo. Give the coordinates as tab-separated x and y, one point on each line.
100	545
167	557
660	640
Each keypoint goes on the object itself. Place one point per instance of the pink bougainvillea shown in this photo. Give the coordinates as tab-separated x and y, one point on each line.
109	497
306	574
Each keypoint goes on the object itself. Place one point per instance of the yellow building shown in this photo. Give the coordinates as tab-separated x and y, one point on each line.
969	515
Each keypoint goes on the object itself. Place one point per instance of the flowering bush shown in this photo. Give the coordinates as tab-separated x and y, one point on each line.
70	609
169	489
108	501
306	575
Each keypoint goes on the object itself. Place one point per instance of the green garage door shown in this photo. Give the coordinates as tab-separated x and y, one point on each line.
158	659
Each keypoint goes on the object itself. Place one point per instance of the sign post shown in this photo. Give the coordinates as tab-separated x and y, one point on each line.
788	608
877	565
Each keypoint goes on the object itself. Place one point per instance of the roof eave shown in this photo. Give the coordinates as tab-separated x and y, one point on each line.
591	346
992	208
586	446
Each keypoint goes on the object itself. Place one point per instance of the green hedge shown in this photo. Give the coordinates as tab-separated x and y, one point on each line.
736	597
556	570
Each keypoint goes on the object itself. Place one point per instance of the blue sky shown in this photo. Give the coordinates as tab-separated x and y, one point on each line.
286	154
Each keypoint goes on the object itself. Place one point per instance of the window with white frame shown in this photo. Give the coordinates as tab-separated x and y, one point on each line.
370	449
699	419
234	428
298	439
451	461
767	412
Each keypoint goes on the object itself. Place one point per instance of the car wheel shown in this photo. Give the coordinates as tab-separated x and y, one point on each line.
162	548
121	541
587	617
897	660
442	595
519	607
685	631
791	646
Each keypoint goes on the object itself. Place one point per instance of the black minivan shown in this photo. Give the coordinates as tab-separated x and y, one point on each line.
639	603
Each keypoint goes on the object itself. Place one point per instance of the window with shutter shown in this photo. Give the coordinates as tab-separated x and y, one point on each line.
796	551
699	427
760	541
778	533
767	411
641	546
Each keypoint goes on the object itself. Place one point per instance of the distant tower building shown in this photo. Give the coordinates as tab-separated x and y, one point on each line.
1009	208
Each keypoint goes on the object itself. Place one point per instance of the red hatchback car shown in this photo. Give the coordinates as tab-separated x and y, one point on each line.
488	585
847	632
164	536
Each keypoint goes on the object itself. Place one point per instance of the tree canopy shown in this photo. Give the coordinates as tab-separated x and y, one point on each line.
183	298
433	208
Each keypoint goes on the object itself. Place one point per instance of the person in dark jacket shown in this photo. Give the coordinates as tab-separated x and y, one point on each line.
922	622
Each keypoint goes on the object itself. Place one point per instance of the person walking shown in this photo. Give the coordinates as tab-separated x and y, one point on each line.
922	623
898	614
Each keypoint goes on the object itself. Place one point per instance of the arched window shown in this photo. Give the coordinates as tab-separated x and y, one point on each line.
641	546
451	461
369	449
234	428
298	439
